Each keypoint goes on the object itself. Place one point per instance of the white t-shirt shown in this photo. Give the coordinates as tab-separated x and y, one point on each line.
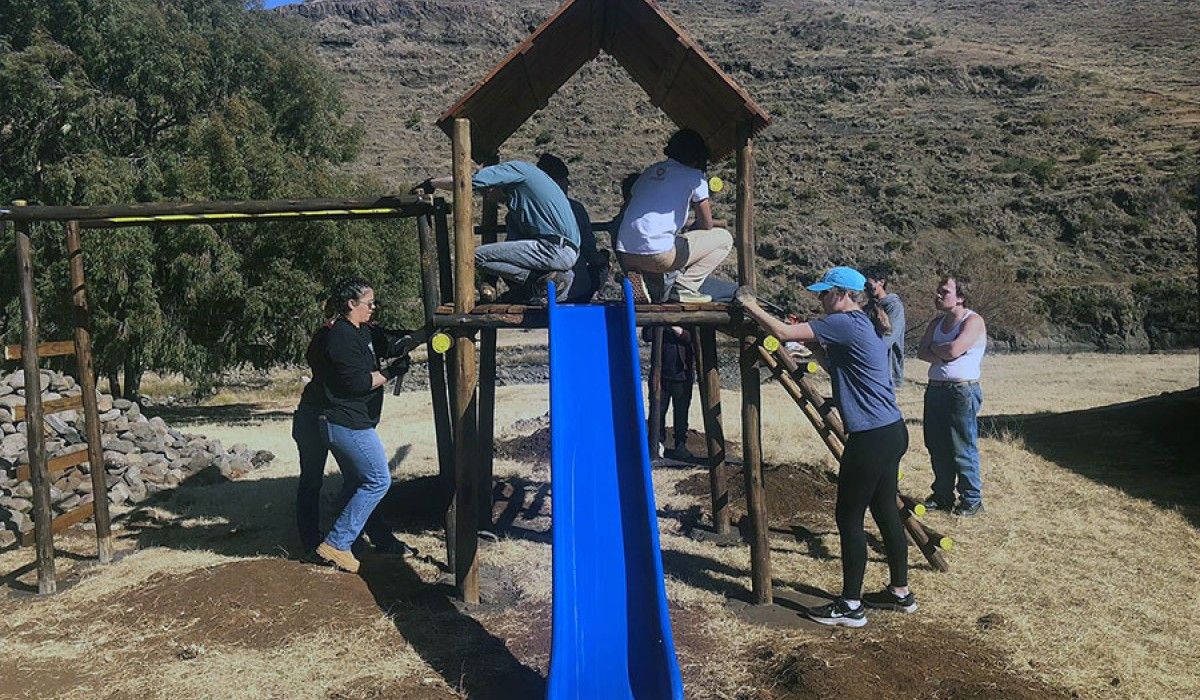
658	207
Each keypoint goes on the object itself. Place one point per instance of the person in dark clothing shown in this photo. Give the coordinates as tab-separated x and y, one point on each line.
592	265
678	376
849	341
338	412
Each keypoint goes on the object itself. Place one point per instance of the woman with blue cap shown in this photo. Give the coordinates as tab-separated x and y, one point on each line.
849	342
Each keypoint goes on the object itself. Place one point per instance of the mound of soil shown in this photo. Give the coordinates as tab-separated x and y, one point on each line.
893	662
795	492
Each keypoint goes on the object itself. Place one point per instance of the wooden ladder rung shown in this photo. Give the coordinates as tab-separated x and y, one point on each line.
62	522
69	403
55	348
55	465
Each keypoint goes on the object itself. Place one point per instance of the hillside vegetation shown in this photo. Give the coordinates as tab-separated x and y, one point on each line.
1054	142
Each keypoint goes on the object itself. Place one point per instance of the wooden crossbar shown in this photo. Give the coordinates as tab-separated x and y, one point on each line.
55	465
69	403
55	348
63	522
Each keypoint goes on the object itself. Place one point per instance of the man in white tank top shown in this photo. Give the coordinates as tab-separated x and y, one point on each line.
953	344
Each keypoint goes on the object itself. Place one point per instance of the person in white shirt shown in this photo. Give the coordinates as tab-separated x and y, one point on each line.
654	237
953	344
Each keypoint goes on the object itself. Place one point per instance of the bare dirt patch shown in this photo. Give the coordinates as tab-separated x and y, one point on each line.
893	662
796	493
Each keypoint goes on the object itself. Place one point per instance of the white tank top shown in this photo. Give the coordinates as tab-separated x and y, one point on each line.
964	368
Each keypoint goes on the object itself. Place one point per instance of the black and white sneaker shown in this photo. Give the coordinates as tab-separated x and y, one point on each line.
838	614
888	600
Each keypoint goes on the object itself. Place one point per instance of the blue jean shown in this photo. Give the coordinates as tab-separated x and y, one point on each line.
366	480
951	436
308	430
519	262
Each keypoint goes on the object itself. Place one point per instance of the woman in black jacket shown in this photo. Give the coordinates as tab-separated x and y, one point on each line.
339	411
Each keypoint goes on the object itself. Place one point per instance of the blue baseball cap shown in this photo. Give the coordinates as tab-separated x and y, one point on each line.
844	277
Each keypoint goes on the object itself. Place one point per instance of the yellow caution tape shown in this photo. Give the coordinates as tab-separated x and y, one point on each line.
227	216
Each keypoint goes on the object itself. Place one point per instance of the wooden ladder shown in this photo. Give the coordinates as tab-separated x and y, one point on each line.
824	417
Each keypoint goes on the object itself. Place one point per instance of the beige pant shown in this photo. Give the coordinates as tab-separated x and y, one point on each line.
695	256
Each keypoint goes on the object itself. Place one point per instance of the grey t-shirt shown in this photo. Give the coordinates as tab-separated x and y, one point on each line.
858	363
894	308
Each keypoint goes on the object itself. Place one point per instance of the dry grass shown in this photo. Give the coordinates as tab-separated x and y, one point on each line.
1088	588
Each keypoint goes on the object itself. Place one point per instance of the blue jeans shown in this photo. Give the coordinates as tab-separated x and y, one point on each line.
308	430
519	262
366	480
951	434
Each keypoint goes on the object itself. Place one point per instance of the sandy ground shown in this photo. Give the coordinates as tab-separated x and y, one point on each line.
1076	581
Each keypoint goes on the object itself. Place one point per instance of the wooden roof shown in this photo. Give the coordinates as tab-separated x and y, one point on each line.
669	65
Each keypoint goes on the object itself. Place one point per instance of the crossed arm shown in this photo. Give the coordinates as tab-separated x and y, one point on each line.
972	330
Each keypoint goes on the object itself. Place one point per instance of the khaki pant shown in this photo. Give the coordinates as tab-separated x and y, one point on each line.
695	256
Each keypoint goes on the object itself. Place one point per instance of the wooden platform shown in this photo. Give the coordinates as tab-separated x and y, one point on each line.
524	316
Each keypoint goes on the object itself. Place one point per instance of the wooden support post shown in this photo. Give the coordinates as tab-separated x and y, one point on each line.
744	238
654	431
444	262
466	451
487	382
87	383
431	298
43	518
704	340
756	501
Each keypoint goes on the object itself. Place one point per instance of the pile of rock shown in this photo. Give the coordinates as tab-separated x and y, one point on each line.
142	456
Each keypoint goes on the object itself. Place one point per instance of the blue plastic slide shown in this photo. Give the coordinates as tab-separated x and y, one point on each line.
612	636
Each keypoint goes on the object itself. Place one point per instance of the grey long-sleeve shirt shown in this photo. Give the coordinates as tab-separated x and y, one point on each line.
894	308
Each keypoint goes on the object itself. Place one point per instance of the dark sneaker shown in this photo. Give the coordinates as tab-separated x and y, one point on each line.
562	285
679	454
968	510
838	614
487	293
932	502
887	600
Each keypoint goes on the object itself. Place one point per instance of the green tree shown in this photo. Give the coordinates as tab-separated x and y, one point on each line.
155	100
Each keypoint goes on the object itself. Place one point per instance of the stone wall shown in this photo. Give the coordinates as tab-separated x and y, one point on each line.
142	455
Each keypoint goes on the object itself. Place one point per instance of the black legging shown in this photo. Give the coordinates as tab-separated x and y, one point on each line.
679	395
870	468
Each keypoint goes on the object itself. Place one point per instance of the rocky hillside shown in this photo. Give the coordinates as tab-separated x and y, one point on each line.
1052	143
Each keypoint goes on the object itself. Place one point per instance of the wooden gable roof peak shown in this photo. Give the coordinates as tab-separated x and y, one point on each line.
676	73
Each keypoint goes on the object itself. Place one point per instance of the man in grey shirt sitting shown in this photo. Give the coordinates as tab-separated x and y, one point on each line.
877	281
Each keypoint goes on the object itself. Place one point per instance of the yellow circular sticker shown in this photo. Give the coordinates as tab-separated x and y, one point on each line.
771	343
715	184
811	367
441	343
946	544
919	509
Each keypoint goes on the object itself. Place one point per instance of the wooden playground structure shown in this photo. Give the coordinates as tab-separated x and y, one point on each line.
689	88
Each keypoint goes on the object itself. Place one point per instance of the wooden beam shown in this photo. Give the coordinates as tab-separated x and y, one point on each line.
55	348
82	317
466	452
744	234
536	318
654	431
59	464
67	403
487	378
442	238
679	54
34	431
61	523
704	340
430	299
218	212
756	500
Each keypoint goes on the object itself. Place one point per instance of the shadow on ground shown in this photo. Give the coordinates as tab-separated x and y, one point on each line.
1147	448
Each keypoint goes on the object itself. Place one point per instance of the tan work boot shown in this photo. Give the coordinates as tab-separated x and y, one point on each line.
342	560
